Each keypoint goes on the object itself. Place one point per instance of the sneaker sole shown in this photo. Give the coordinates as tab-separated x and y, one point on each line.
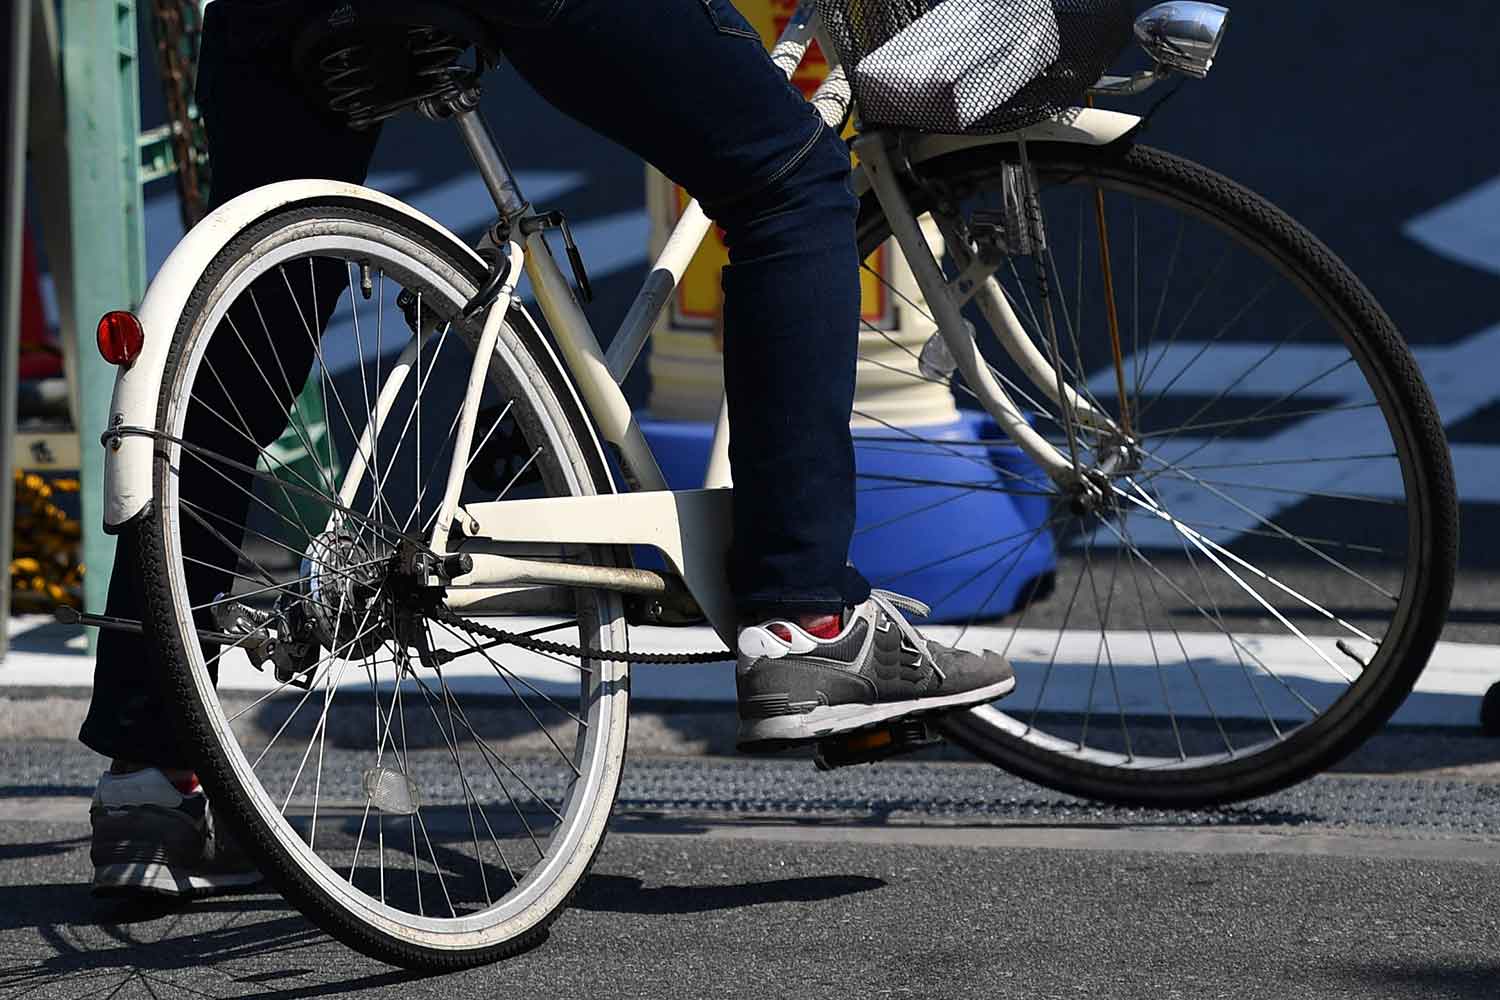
148	878
779	732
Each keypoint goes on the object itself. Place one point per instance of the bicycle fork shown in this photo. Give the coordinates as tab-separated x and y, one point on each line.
1068	471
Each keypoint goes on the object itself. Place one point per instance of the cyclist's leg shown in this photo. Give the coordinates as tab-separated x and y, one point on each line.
687	85
260	130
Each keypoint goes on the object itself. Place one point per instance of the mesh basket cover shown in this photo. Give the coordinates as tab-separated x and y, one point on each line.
972	65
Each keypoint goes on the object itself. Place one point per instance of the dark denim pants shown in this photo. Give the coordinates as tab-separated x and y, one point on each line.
687	85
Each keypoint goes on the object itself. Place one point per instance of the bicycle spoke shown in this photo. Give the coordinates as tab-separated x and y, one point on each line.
526	705
1301	460
504	671
1161	677
1144	500
1204	347
1215	619
1299	542
1176	473
515	775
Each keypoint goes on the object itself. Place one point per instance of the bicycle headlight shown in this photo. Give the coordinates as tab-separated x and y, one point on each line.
1183	36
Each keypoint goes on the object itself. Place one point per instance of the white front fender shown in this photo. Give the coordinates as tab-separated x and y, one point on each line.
1079	126
127	459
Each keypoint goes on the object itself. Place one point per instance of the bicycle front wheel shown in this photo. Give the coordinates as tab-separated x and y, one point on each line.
1269	562
424	793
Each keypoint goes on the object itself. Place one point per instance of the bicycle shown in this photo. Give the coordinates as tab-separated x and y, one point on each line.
366	576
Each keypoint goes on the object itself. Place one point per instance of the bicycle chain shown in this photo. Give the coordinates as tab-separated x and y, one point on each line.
567	649
443	614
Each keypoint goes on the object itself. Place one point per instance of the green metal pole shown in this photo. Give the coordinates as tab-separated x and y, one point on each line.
107	228
15	43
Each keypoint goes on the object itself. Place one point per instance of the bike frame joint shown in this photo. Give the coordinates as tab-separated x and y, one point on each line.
542	221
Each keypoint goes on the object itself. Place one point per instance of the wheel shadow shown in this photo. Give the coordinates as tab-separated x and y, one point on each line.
1453	981
59	940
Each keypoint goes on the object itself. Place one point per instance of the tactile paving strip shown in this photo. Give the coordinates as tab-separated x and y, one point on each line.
904	791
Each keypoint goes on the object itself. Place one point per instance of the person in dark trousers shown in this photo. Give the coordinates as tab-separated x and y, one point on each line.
688	86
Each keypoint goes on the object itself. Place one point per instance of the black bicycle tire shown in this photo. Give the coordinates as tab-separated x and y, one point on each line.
1406	402
197	733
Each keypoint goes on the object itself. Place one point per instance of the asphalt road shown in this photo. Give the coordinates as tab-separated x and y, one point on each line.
762	879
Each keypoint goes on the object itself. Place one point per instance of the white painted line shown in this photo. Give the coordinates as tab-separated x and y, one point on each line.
1460	378
1084	671
1149	840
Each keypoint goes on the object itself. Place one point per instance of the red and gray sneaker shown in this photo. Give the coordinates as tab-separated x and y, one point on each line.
794	686
151	838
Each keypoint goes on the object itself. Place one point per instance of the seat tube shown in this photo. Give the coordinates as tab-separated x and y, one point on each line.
490	161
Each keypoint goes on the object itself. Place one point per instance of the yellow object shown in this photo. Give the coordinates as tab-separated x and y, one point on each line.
45	572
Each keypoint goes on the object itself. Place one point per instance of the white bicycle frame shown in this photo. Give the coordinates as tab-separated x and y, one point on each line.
690	528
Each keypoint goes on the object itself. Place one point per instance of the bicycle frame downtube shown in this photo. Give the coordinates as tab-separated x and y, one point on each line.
657	291
875	157
693	225
581	353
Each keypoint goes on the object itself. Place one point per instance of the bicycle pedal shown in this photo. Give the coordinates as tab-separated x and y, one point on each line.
867	746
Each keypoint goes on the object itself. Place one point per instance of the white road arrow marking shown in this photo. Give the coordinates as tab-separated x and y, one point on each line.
1461	377
1466	229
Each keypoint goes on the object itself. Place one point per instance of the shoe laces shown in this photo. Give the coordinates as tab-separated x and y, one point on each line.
891	605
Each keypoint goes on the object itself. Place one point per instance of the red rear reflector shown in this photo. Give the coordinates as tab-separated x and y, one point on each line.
120	337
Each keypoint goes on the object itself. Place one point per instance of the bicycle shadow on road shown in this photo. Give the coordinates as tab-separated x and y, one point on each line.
59	940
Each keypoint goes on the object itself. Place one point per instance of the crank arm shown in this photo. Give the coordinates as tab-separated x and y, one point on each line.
487	570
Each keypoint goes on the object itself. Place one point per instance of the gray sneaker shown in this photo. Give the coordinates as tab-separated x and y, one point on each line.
794	686
151	839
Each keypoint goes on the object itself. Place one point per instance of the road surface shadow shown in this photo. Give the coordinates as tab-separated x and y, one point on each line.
1411	751
624	894
40	849
66	942
1454	981
58	940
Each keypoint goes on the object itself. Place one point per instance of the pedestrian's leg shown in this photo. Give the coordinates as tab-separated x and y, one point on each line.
687	85
260	130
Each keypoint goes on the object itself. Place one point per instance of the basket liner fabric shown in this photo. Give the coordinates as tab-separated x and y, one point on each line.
975	66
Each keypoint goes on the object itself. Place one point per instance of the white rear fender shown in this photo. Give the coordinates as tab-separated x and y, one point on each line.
127	459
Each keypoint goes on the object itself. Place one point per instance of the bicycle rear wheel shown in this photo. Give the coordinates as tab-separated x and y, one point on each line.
426	795
1270	565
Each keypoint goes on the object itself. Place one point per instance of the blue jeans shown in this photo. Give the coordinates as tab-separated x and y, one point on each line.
686	85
